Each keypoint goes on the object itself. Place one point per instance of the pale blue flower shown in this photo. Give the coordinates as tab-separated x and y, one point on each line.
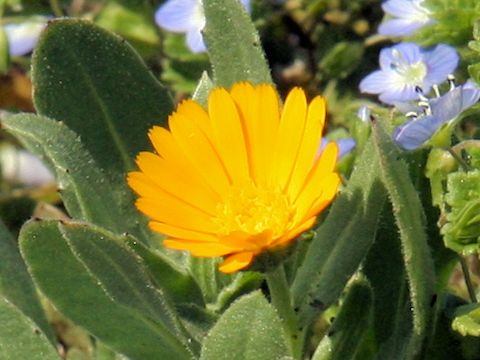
186	16
345	146
408	17
442	110
23	37
405	68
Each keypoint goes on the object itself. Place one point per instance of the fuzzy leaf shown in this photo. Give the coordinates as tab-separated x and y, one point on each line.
249	330
83	297
410	220
98	85
342	241
233	44
350	326
20	338
16	286
86	190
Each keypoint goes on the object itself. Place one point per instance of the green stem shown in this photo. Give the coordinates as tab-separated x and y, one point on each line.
56	8
468	280
282	301
459	159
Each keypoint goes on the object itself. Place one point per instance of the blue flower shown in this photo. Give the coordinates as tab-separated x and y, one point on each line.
406	67
345	146
186	16
441	110
23	37
408	17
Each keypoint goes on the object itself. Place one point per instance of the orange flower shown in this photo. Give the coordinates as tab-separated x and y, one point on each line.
238	178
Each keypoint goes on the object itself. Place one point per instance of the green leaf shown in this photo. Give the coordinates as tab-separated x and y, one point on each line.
467	320
86	191
342	241
76	292
20	338
179	285
249	330
99	86
204	86
462	229
410	219
233	44
16	286
350	326
385	271
122	275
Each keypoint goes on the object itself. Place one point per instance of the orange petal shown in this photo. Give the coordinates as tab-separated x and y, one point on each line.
176	213
181	233
296	231
228	135
200	249
197	147
259	109
309	145
290	133
236	262
181	183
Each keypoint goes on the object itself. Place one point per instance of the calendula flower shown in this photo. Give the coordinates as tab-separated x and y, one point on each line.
186	16
440	111
238	178
408	17
406	67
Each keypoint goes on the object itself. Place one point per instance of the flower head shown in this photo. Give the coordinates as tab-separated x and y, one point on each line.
408	17
406	67
23	37
238	178
186	16
442	110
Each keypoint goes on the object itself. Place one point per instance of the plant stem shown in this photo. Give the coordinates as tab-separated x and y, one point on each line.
282	301
459	159
468	280
56	8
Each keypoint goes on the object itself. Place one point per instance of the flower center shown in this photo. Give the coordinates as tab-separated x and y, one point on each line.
412	74
252	210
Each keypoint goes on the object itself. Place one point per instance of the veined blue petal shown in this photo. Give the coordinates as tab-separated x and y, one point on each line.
406	52
195	41
415	133
441	61
407	9
180	15
345	146
400	27
453	103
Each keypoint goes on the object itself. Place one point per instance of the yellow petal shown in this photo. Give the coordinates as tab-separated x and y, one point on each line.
236	262
331	183
295	231
309	145
181	183
198	148
260	112
290	133
176	213
320	185
200	249
181	233
228	135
